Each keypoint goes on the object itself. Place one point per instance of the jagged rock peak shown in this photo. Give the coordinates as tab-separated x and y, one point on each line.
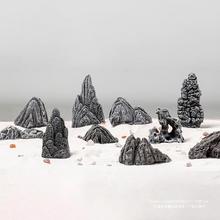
99	134
55	139
189	110
208	147
86	109
138	151
33	115
123	113
163	135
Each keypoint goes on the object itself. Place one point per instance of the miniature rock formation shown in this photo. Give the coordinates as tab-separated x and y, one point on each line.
123	113
189	109
55	139
164	135
99	134
33	115
140	152
12	132
208	147
87	110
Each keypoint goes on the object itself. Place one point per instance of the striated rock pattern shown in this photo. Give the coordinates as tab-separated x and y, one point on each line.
55	139
164	135
208	147
33	115
87	110
12	132
189	109
99	134
140	152
123	113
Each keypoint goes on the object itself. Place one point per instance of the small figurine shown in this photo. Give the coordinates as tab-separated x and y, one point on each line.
163	135
189	109
123	113
55	139
33	115
140	152
87	110
99	134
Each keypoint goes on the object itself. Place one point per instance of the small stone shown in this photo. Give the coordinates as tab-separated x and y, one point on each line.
79	159
205	133
188	164
46	161
93	163
118	145
83	148
80	164
12	145
123	136
109	165
20	155
90	143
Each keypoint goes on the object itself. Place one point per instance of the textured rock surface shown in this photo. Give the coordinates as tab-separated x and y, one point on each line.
123	113
164	135
99	134
209	146
189	109
55	139
12	132
140	152
87	110
33	115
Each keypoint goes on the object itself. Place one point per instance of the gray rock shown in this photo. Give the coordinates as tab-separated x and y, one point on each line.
140	152
189	109
33	115
164	135
123	113
10	133
208	147
31	133
55	139
99	134
87	110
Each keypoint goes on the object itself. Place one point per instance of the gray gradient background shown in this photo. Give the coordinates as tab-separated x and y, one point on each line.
140	50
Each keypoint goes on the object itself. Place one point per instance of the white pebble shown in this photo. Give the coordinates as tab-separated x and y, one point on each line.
90	143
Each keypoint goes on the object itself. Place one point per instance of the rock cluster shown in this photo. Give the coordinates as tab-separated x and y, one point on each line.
87	110
55	139
164	135
209	146
99	134
138	151
123	113
33	115
12	132
189	109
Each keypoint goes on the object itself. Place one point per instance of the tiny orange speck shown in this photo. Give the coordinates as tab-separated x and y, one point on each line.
46	161
12	146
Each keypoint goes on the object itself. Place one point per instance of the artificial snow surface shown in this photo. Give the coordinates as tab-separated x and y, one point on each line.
93	185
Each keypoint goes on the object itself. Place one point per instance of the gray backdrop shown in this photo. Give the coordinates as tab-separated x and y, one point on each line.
140	50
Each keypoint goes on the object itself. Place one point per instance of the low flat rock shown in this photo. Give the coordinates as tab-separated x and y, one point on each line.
99	134
138	151
31	133
208	147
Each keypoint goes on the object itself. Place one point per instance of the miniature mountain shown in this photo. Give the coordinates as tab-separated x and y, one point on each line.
140	152
55	139
33	115
12	132
208	147
164	135
99	134
189	110
123	113
87	110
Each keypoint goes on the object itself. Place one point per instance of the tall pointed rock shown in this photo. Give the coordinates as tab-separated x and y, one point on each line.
86	109
33	115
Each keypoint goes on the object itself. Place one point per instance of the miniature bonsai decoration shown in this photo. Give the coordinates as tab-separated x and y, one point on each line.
208	147
189	109
87	110
123	113
140	152
99	134
11	132
33	115
55	139
164	135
